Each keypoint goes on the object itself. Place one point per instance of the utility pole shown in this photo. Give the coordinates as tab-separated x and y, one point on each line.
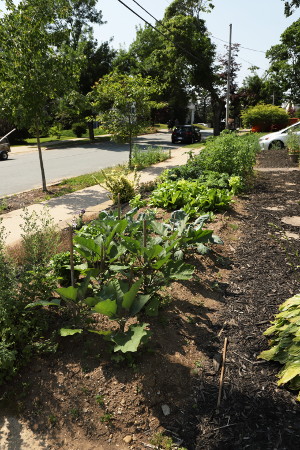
228	78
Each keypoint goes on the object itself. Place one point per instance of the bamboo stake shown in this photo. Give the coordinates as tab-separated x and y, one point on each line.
119	207
71	256
222	373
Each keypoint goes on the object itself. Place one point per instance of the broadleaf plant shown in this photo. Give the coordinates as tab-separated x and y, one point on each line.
285	343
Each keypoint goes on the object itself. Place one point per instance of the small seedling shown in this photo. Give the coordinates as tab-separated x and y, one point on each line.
99	399
52	419
161	442
106	418
85	390
74	413
198	364
190	319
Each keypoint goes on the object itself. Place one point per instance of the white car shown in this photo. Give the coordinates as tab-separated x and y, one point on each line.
278	138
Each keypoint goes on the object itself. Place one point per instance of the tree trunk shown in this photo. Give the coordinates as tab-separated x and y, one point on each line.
218	107
41	157
91	130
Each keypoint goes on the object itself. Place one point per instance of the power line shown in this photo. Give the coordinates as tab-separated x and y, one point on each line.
160	32
245	48
170	40
145	11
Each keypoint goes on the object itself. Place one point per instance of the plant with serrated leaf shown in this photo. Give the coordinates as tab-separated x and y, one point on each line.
285	343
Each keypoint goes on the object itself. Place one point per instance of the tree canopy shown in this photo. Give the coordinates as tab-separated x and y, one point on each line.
179	53
290	6
124	102
285	62
37	66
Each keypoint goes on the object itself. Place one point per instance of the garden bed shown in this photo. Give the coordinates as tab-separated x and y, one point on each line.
77	398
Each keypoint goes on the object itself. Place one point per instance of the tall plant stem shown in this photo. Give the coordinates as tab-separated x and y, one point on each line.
71	256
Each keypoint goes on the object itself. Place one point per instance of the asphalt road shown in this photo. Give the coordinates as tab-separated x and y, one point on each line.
21	171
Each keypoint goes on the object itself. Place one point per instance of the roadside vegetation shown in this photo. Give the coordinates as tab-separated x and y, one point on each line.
118	263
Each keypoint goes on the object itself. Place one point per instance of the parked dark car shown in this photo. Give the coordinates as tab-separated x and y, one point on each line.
4	148
186	133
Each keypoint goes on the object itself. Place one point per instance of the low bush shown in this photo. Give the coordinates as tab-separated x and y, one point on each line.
79	129
264	117
119	185
229	153
22	332
222	156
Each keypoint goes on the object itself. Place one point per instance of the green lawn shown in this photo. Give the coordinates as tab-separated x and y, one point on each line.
66	135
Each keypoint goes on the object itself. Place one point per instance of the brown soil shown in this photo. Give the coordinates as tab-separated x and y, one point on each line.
79	399
24	199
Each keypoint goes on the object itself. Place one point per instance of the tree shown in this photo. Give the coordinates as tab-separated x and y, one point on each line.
36	65
256	89
179	53
285	62
76	106
125	103
84	13
290	6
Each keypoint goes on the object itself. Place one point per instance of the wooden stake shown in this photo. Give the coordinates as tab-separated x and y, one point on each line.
222	373
119	207
145	233
71	256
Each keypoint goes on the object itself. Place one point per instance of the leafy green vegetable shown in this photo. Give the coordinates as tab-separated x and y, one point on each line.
285	343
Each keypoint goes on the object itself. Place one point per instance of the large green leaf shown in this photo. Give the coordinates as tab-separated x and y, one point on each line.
289	372
91	301
54	302
106	307
129	296
153	251
88	246
139	302
130	341
293	301
69	331
68	293
269	354
159	228
178	270
118	228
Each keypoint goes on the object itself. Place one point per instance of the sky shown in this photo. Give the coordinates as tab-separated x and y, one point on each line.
256	25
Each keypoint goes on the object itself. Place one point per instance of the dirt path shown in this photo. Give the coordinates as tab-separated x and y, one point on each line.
78	399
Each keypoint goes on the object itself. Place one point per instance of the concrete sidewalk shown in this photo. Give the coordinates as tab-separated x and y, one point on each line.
93	200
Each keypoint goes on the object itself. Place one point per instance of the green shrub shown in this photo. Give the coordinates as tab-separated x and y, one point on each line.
230	153
56	131
22	331
40	238
79	129
264	116
117	183
222	157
